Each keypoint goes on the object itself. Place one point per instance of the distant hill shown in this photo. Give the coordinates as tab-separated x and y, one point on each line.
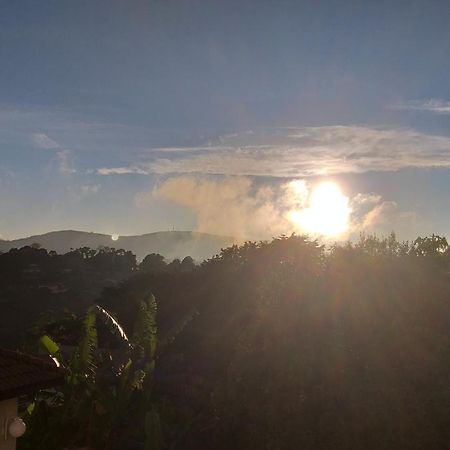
170	244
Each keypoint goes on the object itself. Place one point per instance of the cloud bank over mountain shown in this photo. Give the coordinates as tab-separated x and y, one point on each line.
240	207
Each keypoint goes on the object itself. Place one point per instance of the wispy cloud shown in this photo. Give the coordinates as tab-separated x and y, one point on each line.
279	152
65	163
41	140
300	152
436	106
89	189
56	128
121	170
80	192
386	216
366	199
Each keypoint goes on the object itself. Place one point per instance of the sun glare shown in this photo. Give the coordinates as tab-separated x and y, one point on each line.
115	237
327	212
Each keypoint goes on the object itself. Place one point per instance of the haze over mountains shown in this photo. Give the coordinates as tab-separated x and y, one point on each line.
170	244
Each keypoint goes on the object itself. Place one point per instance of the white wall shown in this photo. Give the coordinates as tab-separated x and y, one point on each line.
8	410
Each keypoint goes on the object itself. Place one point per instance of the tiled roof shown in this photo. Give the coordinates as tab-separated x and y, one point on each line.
25	374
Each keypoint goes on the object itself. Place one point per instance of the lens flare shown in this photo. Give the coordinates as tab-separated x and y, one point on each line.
327	212
115	237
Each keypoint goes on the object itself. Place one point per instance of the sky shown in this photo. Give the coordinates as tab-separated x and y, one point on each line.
128	117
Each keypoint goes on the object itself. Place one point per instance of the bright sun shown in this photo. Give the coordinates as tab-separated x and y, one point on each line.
327	212
115	237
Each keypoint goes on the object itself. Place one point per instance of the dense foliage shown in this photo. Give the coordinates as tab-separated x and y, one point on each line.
106	400
298	346
33	281
288	344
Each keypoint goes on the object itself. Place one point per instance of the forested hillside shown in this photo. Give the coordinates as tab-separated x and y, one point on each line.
39	286
35	282
297	347
170	244
288	345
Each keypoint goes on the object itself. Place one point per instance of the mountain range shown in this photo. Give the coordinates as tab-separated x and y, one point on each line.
170	244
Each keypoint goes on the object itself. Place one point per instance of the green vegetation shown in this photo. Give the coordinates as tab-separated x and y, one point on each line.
107	393
269	345
34	281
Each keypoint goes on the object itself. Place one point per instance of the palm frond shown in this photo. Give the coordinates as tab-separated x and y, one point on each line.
113	325
88	344
145	328
52	348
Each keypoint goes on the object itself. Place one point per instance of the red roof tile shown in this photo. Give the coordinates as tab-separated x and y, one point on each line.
25	374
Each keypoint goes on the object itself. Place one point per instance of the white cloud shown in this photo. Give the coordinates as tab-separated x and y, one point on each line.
300	152
121	171
366	199
386	216
41	140
89	189
80	192
65	162
436	106
239	207
230	206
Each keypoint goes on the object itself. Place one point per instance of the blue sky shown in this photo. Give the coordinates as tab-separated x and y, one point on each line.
103	103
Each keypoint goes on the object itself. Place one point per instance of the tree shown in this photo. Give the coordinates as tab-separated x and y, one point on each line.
433	245
153	263
104	391
187	264
174	266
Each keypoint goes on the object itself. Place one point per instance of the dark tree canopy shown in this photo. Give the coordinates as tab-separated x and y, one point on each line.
284	344
154	263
